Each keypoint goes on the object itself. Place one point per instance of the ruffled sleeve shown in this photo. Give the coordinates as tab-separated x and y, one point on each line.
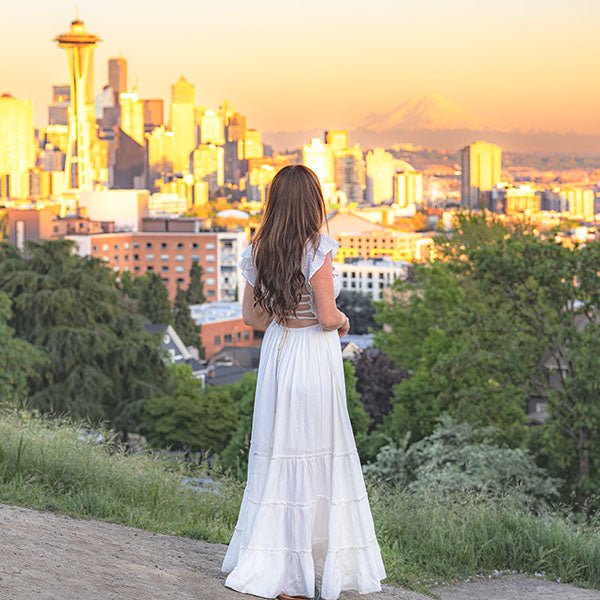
316	260
246	265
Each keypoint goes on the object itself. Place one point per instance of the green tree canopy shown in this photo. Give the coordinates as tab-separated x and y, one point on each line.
195	291
190	418
100	364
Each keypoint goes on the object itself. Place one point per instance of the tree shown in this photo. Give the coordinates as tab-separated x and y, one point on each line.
190	418
360	310
100	363
376	375
195	291
185	326
153	299
358	416
18	360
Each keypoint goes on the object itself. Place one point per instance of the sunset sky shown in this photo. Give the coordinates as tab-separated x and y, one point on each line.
294	65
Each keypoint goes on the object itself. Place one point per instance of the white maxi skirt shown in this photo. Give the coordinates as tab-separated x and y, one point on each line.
305	516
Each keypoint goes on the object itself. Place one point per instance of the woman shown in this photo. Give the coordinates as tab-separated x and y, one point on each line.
305	516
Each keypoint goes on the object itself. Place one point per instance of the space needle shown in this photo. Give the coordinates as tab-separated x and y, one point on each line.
79	45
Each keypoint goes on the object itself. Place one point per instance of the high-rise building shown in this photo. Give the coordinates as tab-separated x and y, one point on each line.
17	145
132	116
408	188
380	176
183	122
153	114
318	156
581	202
251	146
481	164
58	111
212	130
337	139
208	165
117	75
162	149
349	166
236	128
79	45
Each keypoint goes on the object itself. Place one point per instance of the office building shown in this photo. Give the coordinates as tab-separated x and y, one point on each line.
380	176
481	171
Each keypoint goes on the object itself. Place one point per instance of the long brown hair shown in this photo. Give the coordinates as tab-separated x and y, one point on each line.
294	213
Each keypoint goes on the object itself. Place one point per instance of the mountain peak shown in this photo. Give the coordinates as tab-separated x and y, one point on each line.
429	111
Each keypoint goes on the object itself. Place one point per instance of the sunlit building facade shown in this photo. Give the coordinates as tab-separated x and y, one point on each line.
408	189
208	165
17	145
132	116
380	176
481	171
183	123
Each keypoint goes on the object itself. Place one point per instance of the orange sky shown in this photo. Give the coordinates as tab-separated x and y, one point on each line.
294	65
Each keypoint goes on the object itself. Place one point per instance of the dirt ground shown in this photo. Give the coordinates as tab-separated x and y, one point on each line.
45	556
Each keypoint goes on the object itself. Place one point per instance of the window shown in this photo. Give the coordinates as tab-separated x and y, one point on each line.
164	257
246	335
136	268
195	258
210	246
179	257
211	293
179	245
164	245
126	257
238	335
136	257
104	247
210	269
227	338
149	256
165	280
116	258
210	258
136	244
126	245
164	268
149	269
116	246
148	244
217	340
195	245
94	247
179	269
180	280
210	281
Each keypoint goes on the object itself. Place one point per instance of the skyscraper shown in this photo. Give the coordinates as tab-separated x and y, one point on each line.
153	114
349	165
117	75
79	45
17	153
481	164
208	164
183	122
408	188
337	139
132	116
380	176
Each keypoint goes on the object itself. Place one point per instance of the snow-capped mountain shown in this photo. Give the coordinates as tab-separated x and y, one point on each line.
432	112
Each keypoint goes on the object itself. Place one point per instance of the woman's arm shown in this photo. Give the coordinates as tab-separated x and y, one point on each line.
330	317
255	317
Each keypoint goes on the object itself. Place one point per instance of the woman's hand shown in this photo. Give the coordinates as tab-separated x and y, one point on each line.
343	330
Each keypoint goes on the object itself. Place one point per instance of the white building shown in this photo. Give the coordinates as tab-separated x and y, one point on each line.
126	208
371	276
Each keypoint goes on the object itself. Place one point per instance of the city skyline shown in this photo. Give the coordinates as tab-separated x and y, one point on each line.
360	62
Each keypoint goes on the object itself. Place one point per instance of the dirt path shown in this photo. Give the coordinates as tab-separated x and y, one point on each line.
44	556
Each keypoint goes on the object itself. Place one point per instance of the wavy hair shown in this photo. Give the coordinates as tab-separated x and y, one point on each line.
294	214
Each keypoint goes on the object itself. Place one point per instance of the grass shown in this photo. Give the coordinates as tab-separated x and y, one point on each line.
425	540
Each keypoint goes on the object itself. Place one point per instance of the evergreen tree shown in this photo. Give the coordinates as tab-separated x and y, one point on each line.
18	360
195	291
100	364
360	310
183	323
153	300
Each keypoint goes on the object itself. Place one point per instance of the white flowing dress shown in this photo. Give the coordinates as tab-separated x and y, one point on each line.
305	517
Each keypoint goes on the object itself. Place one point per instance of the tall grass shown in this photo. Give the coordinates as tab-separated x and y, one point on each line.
425	540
